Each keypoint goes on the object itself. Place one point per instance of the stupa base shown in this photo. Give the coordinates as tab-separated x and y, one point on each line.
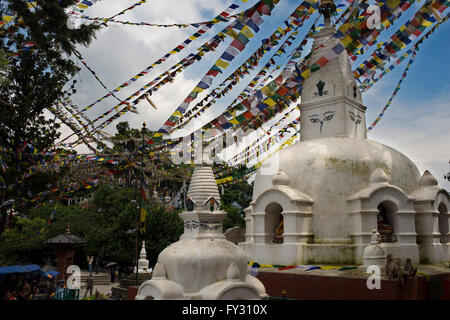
432	282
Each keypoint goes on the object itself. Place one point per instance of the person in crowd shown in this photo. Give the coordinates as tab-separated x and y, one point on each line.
97	264
113	273
35	294
89	285
10	296
60	288
25	291
91	263
120	274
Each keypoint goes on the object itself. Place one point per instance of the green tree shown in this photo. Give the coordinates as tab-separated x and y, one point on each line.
235	198
4	64
163	228
109	223
24	242
36	78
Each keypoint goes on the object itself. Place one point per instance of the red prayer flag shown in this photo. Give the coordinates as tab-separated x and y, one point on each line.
322	61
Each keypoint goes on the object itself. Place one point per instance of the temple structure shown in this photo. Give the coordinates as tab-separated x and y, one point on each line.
336	186
65	245
202	265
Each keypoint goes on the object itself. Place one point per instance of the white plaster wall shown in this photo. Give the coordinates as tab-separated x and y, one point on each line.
331	169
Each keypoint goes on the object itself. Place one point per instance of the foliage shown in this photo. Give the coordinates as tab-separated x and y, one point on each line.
109	223
235	198
4	64
100	296
124	131
36	77
163	228
24	241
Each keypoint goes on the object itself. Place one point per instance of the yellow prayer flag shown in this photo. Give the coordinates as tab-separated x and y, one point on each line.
198	89
392	3
143	215
329	267
246	31
222	64
266	91
427	23
306	73
377	59
347	40
270	102
7	18
344	28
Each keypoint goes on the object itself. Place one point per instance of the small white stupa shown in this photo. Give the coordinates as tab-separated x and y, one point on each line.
202	265
143	262
374	254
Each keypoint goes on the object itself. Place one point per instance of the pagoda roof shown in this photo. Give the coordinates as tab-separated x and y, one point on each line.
65	239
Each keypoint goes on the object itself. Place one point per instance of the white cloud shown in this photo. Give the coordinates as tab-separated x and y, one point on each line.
419	129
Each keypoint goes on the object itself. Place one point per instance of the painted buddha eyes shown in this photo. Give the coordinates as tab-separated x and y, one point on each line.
355	118
326	116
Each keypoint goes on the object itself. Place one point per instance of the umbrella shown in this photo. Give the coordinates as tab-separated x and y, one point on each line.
50	274
111	264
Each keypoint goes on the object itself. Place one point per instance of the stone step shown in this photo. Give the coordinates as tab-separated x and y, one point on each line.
99	279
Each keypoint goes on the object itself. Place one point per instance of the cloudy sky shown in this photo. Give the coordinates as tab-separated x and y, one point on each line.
417	123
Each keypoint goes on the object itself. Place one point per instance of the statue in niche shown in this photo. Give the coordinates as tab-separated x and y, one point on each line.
212	204
355	92
278	238
326	116
356	118
320	86
189	203
384	227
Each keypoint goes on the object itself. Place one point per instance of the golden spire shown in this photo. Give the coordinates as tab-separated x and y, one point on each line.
327	8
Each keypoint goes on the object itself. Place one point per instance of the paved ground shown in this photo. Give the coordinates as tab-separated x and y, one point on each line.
101	283
105	289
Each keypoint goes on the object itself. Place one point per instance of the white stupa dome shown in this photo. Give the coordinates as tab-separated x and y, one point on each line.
331	169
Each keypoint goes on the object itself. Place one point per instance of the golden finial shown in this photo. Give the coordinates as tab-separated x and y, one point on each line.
327	8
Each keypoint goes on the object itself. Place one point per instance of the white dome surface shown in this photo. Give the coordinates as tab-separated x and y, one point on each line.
195	264
330	170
